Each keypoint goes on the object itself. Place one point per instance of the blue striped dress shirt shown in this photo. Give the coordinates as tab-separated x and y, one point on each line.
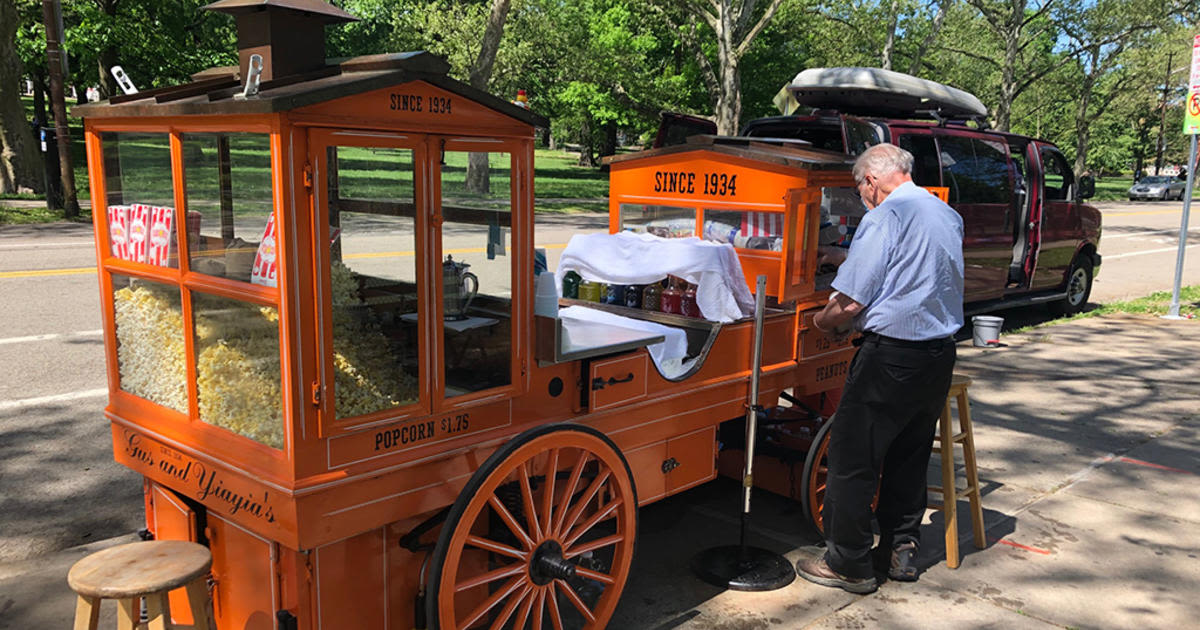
905	266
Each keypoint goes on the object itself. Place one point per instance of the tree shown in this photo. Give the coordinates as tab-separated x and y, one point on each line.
480	75
735	25
18	153
1101	33
1017	26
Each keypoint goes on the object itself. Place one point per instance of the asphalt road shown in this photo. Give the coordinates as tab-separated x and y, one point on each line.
58	484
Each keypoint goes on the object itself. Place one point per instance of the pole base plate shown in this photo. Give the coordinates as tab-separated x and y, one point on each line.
743	568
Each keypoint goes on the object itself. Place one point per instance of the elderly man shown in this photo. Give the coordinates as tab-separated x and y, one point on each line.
901	284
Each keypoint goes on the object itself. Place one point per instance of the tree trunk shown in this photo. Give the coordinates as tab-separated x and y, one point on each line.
938	19
729	97
18	150
587	154
1083	128
40	89
1008	71
108	85
108	56
885	58
480	76
608	145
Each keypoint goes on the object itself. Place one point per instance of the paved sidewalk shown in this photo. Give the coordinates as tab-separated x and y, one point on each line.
1088	437
1088	441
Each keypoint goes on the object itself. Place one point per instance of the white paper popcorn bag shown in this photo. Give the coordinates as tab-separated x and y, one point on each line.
265	266
161	248
118	231
139	232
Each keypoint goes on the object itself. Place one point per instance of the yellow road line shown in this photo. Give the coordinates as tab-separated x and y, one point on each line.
1139	214
35	273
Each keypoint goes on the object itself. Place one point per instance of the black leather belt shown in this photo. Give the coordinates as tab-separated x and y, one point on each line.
903	343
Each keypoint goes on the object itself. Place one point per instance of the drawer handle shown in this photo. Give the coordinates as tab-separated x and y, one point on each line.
670	464
600	383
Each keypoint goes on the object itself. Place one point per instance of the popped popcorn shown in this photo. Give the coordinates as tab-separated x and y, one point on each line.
237	368
367	377
150	353
237	357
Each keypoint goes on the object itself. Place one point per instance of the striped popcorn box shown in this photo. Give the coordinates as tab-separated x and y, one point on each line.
139	232
762	224
266	266
118	231
161	248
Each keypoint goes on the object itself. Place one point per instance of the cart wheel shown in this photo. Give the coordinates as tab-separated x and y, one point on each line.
542	536
816	471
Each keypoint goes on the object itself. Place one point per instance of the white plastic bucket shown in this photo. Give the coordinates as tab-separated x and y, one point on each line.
986	329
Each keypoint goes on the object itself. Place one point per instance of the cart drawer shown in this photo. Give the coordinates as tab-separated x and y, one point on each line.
664	468
815	343
824	372
617	381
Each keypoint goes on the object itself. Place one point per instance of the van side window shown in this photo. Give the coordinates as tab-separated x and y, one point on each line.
1056	175
975	170
860	136
926	171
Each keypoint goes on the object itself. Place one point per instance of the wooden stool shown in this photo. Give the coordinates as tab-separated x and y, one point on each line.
149	570
946	438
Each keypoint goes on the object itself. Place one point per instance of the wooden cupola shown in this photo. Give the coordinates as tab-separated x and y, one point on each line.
288	34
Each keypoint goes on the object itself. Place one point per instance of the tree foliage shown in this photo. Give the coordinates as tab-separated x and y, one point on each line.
1088	76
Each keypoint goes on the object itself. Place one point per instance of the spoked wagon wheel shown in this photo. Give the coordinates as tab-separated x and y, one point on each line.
542	536
813	480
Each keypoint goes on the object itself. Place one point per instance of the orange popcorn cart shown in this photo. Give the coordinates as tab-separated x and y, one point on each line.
317	284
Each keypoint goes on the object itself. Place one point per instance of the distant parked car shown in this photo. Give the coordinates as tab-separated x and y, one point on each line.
1160	187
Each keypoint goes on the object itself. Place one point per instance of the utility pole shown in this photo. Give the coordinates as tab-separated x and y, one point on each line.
1162	123
51	11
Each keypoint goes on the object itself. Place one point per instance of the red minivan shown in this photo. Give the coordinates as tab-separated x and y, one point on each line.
1028	235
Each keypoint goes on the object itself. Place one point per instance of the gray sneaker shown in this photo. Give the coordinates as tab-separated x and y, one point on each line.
815	570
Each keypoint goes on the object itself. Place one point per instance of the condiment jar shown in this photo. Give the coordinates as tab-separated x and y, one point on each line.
652	297
590	291
672	298
570	285
688	305
614	294
633	296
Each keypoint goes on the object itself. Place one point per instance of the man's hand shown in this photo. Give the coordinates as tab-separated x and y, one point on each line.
830	255
836	319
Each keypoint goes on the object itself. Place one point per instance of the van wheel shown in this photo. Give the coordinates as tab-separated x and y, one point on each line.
1079	288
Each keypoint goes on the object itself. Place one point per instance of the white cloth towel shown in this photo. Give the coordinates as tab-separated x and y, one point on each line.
628	258
668	355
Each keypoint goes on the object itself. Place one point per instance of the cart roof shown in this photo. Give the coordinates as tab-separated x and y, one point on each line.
212	91
790	153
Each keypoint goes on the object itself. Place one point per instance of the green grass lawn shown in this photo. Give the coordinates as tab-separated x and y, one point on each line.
1113	188
39	214
1157	303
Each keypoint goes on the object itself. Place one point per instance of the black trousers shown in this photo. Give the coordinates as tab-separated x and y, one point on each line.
882	435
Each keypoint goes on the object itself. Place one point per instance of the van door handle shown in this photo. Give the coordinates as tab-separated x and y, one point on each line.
600	383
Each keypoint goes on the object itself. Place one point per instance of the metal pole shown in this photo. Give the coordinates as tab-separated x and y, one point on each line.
1173	312
741	567
752	408
51	10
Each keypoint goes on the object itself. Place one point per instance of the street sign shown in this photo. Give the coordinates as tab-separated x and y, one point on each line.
1191	117
1194	83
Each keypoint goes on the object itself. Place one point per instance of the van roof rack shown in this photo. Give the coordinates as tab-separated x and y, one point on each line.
942	119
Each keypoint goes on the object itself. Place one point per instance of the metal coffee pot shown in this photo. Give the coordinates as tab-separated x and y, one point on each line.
459	287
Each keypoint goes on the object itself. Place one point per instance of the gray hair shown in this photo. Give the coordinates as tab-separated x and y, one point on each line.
882	159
